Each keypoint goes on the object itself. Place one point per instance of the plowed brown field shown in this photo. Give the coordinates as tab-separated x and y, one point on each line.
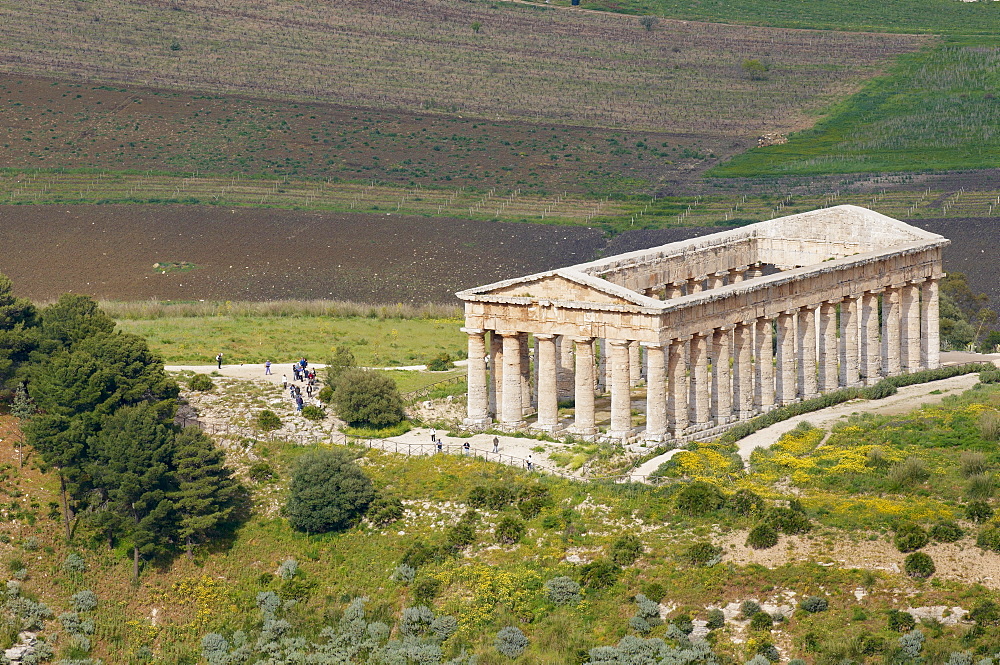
252	254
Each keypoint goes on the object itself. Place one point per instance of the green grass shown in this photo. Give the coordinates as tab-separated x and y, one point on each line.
244	339
938	109
925	16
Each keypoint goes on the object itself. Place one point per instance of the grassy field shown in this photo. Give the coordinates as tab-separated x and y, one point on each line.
928	16
374	342
484	59
850	492
936	110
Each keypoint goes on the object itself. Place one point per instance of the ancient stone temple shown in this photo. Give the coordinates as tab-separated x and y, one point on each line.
701	334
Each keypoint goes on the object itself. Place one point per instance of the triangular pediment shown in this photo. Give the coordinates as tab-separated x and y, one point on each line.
562	285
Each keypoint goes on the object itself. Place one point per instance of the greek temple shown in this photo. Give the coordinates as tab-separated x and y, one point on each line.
681	341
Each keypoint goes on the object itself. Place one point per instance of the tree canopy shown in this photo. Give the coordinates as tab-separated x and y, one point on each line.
328	492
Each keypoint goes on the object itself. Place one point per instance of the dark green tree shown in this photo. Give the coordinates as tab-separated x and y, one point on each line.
207	497
22	409
130	464
74	317
19	332
328	492
342	361
368	398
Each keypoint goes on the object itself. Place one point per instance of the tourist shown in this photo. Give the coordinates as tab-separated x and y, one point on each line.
218	359
496	444
440	445
433	434
299	402
267	367
530	462
284	381
466	448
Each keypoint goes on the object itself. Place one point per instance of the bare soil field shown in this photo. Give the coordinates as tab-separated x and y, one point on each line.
52	123
480	58
212	253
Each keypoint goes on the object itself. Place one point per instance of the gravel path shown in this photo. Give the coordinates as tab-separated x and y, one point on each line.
256	371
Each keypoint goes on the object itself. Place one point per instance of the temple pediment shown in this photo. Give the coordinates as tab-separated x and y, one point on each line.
561	285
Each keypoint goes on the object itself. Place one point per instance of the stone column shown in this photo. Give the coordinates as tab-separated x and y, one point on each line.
656	393
910	328
756	270
717	280
526	396
807	351
890	331
621	389
548	392
764	366
602	365
722	386
785	375
743	370
534	374
478	402
871	359
564	349
849	365
677	409
583	423
699	386
827	337
736	274
634	363
510	407
496	374
675	290
694	285
930	341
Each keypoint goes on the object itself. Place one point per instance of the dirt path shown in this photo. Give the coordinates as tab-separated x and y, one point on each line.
256	371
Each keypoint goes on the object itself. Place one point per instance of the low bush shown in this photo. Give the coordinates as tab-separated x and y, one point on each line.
972	463
268	421
989	425
911	471
511	642
748	608
919	565
201	383
989	538
313	412
762	537
654	591
946	532
814	604
701	554
761	621
786	520
562	591
509	530
599	574
325	394
989	375
978	511
463	534
385	510
626	549
261	471
899	621
440	363
910	537
745	502
985	613
981	486
716	619
426	589
699	498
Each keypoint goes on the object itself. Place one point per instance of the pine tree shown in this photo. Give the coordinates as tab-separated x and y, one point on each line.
207	496
130	466
22	409
74	317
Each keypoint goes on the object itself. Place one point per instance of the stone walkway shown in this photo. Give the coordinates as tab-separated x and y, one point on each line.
256	370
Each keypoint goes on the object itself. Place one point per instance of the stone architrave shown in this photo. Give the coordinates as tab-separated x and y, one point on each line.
764	365
478	406
827	344
548	391
849	334
930	341
837	260
722	384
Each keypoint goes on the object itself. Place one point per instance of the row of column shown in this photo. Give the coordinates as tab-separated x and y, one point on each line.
713	378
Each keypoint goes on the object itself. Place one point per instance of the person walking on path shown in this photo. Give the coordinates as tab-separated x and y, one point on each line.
496	444
465	448
267	367
433	434
440	446
284	381
530	462
218	359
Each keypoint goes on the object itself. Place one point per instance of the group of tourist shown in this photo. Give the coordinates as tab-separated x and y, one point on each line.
438	442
